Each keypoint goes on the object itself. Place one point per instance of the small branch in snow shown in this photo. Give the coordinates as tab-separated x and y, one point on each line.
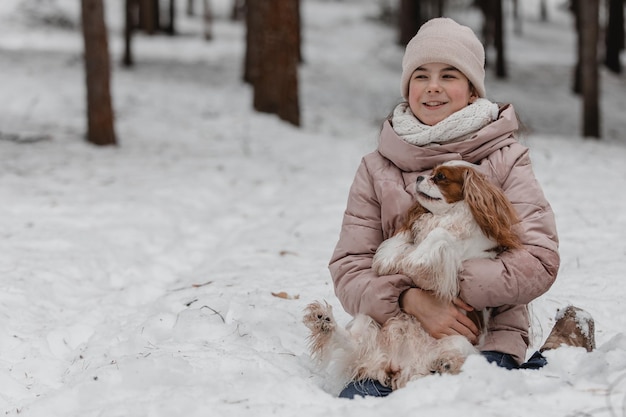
192	286
215	312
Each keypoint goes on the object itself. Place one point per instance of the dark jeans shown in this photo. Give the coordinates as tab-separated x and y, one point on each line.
370	387
505	360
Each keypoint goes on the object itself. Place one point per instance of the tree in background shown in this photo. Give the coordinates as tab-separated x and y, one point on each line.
414	13
100	129
130	19
517	18
238	10
171	27
493	33
575	8
589	72
145	15
615	36
586	72
253	26
498	17
409	20
149	16
273	55
543	11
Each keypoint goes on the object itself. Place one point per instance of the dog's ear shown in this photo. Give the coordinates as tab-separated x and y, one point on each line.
413	214
492	210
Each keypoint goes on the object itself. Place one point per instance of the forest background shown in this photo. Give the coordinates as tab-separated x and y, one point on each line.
167	275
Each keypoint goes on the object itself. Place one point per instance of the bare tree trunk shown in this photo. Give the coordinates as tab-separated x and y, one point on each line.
501	71
493	33
441	7
238	10
575	8
189	8
298	41
410	20
488	28
615	36
100	130
170	29
543	11
589	70
253	27
276	85
129	25
149	16
517	18
207	17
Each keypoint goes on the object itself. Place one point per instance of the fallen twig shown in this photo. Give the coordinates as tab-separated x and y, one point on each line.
192	286
215	312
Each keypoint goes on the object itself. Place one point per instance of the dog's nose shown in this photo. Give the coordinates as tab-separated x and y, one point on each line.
420	179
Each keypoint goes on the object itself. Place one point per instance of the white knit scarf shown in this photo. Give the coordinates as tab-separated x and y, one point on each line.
459	124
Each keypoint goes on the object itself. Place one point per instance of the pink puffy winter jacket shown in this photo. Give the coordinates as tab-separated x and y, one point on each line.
381	194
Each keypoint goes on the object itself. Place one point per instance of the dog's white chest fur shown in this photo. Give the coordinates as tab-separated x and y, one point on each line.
432	251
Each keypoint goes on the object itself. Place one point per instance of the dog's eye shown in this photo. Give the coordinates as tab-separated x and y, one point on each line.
439	177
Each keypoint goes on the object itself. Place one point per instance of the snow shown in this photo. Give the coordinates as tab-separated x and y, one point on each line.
137	280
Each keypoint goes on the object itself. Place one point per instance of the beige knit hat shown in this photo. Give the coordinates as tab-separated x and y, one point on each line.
444	40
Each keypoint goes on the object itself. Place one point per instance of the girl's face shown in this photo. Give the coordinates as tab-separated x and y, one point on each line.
436	91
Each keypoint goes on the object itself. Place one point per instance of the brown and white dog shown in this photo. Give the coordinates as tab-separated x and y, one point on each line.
458	215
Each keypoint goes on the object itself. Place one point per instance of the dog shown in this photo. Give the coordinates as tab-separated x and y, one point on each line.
458	215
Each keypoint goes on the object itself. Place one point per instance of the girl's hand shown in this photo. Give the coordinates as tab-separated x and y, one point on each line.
439	318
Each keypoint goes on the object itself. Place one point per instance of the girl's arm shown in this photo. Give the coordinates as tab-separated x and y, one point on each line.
517	276
357	286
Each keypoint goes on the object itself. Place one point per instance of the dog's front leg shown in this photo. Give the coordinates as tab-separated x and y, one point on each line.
388	255
434	264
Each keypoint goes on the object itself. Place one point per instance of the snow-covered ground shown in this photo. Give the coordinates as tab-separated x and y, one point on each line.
167	276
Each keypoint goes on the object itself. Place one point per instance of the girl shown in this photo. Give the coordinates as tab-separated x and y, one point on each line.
446	117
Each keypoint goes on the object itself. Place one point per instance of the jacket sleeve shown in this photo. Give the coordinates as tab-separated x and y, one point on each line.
357	286
516	276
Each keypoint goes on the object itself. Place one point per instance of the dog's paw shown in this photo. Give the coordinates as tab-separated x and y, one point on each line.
451	364
318	317
389	254
385	266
